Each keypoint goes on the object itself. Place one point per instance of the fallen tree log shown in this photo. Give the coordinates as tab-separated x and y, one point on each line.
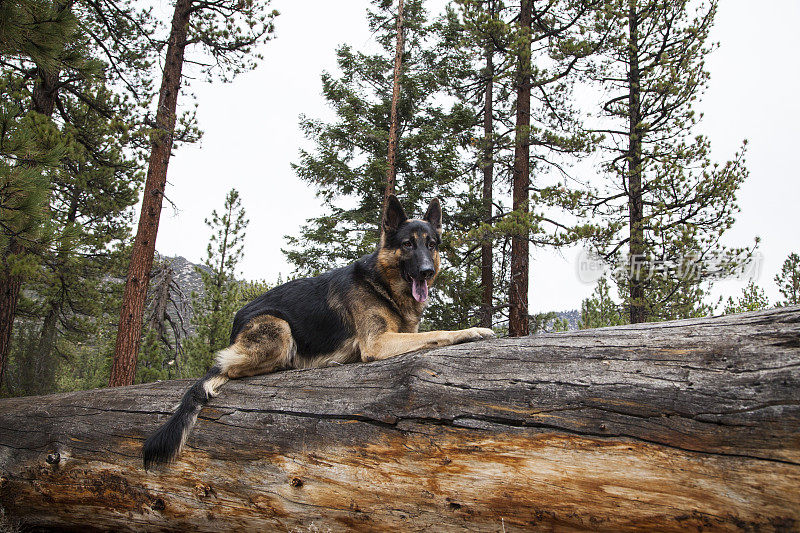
688	424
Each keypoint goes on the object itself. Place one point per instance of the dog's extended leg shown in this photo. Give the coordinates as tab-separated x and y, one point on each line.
264	345
390	344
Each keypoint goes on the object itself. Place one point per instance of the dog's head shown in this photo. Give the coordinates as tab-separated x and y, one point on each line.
414	243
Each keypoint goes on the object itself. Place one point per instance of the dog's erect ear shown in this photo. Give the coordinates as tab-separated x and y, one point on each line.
394	215
433	215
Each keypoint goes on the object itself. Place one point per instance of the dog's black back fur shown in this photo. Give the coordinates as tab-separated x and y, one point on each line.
303	303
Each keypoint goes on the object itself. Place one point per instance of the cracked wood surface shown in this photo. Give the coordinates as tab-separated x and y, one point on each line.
688	424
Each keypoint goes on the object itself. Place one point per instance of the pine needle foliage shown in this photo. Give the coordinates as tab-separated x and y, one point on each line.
600	310
664	205
348	162
214	309
788	281
753	298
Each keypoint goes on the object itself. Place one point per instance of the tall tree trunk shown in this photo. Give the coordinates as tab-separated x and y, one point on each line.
10	285
487	279
129	331
635	205
47	335
42	101
391	170
518	293
47	338
44	91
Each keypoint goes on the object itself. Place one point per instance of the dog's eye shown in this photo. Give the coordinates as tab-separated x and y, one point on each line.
431	245
407	244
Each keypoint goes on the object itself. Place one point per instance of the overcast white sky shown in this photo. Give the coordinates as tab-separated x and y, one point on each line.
252	137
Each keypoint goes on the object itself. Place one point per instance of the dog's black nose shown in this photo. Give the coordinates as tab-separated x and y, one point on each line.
427	273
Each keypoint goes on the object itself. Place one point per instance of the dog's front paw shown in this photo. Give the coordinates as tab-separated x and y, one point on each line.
476	334
485	333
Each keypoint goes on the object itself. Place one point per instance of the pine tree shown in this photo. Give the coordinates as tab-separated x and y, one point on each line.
391	159
34	29
487	162
548	322
250	290
65	78
788	281
472	36
348	167
25	163
29	31
520	254
600	310
664	203
226	31
213	311
510	56
753	298
551	44
90	205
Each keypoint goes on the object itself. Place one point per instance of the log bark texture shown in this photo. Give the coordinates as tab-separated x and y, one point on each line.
676	426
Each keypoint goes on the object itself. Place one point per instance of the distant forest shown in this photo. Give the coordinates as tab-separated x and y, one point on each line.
538	123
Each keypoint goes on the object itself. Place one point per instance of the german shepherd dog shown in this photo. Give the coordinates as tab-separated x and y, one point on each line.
366	311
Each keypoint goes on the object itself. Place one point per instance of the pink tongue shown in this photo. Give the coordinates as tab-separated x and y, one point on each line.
419	289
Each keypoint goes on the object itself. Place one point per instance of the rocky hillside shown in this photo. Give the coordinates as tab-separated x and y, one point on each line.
186	274
573	317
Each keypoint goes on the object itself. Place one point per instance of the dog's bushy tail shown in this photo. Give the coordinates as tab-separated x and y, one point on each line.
164	445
